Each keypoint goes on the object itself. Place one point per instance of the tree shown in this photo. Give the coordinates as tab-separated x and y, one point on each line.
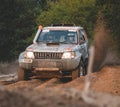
17	23
79	12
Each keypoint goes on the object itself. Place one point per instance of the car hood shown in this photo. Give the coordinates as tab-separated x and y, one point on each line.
51	48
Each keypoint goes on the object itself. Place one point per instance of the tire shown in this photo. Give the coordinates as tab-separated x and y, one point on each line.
80	71
75	74
23	74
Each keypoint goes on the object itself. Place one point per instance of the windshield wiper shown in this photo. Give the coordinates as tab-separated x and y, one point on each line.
67	42
63	42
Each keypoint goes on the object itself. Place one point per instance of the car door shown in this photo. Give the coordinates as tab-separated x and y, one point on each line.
83	44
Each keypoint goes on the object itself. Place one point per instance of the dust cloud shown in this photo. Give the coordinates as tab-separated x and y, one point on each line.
105	48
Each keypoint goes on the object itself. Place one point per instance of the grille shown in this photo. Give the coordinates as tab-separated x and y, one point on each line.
47	64
47	55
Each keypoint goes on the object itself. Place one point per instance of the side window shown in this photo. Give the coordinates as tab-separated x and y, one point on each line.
81	34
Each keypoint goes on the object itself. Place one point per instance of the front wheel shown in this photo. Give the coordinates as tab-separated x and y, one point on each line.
80	71
23	74
75	73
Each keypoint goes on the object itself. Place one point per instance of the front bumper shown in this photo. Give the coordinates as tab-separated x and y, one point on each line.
50	64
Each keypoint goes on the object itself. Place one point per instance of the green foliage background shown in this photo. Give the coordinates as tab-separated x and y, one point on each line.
17	23
19	20
79	12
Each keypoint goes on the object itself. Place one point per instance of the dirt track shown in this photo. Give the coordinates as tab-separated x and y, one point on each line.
104	91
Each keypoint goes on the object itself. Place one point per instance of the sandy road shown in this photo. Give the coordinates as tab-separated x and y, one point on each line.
105	91
10	82
107	80
33	84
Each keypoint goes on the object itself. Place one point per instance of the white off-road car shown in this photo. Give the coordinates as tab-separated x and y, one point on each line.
57	51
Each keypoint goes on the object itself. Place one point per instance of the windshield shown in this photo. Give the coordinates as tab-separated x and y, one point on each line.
58	36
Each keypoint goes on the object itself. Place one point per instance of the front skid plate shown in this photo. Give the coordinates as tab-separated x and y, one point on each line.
50	74
47	69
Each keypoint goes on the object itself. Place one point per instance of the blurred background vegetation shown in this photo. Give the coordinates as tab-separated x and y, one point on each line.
19	20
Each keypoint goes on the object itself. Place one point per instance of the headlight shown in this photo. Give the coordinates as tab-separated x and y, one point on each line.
29	55
68	55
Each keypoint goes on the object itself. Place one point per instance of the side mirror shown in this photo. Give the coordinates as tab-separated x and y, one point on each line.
81	41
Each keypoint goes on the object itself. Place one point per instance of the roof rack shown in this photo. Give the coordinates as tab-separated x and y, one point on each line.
62	24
